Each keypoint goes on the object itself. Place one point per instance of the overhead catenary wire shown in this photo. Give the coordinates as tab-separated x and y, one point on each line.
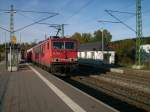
58	27
18	10
124	12
43	19
32	19
121	12
147	11
64	6
107	11
108	21
127	18
28	11
4	29
1	27
80	9
29	17
5	10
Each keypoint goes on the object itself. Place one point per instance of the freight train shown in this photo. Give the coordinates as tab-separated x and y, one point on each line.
58	55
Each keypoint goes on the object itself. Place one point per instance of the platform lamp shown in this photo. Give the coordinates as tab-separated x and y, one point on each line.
105	21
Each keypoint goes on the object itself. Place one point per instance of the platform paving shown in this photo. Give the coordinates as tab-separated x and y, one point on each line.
24	91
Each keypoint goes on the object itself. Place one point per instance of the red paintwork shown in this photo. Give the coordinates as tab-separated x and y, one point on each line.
44	56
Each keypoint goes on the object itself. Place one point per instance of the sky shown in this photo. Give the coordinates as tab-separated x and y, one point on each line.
79	15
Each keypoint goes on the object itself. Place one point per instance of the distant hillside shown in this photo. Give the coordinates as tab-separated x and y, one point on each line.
145	40
125	49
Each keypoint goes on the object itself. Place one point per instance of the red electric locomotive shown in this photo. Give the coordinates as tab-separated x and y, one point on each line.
59	55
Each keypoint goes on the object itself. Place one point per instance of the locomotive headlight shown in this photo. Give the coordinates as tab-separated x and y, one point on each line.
73	59
55	60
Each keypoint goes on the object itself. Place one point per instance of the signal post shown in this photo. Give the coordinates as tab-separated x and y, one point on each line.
12	49
13	55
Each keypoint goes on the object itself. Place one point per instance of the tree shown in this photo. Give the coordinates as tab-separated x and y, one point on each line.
86	37
82	38
77	36
106	36
98	35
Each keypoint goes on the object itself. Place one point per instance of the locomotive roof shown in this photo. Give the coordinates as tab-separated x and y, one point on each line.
54	39
62	39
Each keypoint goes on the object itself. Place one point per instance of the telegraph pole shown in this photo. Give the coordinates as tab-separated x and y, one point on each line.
139	33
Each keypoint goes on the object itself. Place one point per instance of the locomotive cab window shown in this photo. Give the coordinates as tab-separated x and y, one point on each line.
58	45
70	45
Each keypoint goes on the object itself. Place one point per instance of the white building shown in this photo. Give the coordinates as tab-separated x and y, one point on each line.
146	51
91	53
146	48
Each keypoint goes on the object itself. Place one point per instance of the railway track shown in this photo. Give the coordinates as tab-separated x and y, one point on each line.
131	88
130	79
138	76
130	95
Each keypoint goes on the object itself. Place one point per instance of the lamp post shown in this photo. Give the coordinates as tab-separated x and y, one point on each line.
102	40
149	58
104	21
5	50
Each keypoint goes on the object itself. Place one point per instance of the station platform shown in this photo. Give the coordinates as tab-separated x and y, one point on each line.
32	89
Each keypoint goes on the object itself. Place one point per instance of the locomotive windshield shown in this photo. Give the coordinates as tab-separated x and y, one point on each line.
63	45
69	45
58	45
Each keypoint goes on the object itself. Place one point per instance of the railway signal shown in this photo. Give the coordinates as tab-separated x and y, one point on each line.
13	56
14	40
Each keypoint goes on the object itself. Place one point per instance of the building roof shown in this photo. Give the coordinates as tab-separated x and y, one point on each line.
97	46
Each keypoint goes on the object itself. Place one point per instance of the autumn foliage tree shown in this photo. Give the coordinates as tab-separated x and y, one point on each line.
95	37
